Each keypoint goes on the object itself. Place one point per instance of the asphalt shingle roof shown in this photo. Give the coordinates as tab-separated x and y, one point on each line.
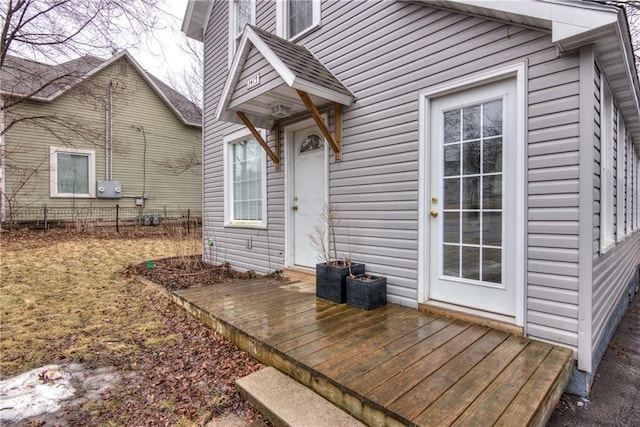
35	80
301	61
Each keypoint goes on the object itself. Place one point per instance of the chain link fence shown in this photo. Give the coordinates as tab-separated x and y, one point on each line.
85	219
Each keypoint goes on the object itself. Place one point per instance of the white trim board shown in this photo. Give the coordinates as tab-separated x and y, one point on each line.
517	70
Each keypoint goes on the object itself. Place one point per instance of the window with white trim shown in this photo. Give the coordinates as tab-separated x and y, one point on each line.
241	13
607	238
72	172
629	186
621	178
245	196
296	18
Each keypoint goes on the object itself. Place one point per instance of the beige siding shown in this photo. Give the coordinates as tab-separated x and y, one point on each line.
136	105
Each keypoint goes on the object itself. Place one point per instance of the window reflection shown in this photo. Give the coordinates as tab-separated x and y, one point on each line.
472	197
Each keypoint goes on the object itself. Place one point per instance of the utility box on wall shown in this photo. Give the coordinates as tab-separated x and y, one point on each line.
109	189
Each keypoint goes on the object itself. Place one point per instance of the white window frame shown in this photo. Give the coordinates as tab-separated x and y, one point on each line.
621	233
607	237
234	38
229	221
630	188
53	163
517	70
282	20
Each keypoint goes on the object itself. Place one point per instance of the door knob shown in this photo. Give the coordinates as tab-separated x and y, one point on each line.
294	207
434	213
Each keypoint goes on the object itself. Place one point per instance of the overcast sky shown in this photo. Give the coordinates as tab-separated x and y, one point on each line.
163	56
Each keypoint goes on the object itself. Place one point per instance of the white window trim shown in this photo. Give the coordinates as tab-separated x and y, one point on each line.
234	39
630	190
53	163
517	70
620	177
228	142
607	238
282	20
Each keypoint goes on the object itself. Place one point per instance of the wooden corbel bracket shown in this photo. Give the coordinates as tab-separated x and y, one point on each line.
274	157
334	140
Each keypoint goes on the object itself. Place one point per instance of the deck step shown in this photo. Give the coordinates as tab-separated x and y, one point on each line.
300	273
285	402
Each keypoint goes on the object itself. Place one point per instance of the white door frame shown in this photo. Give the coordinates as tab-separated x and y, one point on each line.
517	70
288	183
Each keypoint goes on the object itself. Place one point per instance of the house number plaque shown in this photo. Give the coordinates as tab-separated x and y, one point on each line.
253	81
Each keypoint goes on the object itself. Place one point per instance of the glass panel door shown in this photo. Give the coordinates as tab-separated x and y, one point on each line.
472	192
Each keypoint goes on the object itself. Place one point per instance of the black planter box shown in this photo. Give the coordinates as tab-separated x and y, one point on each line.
367	294
331	280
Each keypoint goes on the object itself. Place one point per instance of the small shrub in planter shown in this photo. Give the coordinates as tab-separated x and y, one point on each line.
331	279
366	291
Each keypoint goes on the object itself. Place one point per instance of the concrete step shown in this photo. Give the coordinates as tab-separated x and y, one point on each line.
285	402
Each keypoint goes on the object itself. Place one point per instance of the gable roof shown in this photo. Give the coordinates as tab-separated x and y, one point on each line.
295	67
44	82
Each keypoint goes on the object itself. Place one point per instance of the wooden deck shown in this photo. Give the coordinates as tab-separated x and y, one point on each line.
389	366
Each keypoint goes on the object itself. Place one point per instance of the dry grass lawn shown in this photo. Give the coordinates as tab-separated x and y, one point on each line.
63	298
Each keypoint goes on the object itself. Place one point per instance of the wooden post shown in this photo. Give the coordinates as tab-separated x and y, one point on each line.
46	224
306	99
276	132
117	218
259	138
188	219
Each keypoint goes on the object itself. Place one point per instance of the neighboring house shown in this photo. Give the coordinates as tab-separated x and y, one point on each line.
93	133
484	155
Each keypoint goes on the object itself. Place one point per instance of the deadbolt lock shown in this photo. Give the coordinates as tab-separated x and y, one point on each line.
435	199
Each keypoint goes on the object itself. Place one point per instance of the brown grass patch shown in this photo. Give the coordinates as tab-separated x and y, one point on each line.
63	299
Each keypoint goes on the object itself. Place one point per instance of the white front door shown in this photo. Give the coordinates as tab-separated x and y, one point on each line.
309	188
471	198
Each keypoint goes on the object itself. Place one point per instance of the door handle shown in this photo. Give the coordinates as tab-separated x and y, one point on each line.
294	207
433	213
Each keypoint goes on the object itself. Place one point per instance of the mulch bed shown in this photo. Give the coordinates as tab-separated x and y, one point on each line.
187	272
191	378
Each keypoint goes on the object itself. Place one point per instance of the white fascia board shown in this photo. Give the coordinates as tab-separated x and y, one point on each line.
273	59
250	38
323	92
192	26
568	18
234	74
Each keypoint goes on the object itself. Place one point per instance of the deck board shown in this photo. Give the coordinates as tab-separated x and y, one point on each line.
389	366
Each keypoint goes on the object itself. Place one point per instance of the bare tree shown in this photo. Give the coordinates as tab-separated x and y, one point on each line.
632	10
189	81
47	46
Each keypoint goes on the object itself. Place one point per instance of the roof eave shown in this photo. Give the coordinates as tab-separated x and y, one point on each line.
196	18
574	24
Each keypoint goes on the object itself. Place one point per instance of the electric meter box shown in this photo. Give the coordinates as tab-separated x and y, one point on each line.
109	189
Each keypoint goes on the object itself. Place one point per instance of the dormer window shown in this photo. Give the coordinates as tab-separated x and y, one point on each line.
297	17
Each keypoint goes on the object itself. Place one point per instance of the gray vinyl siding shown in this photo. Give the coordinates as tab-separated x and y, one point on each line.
615	171
386	53
553	186
269	78
267	249
613	271
598	106
612	274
